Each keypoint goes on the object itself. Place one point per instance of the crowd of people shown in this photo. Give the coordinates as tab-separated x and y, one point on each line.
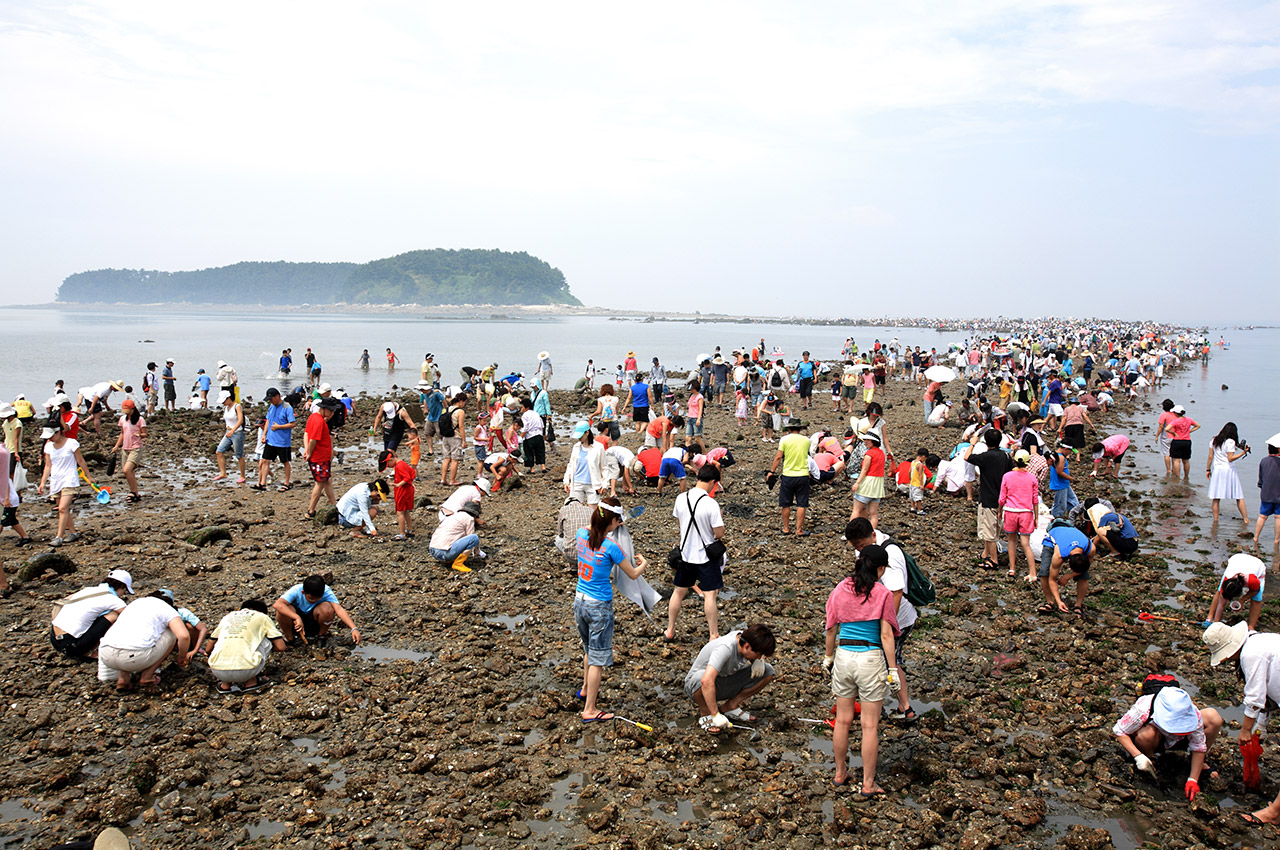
1022	410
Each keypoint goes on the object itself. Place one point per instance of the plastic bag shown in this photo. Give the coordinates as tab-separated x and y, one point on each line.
1251	754
20	477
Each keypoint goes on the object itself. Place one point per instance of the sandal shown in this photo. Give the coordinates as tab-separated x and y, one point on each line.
283	488
1078	610
1047	608
399	537
310	514
908	716
260	488
741	715
988	564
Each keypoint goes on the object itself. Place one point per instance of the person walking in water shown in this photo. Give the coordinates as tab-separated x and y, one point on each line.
391	360
363	362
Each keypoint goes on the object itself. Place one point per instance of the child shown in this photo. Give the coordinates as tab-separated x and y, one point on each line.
481	441
671	405
868	385
740	409
618	375
415	449
919	477
835	393
693	422
401	490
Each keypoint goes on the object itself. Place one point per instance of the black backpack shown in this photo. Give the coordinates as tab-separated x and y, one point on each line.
339	417
919	590
776	381
446	423
1157	682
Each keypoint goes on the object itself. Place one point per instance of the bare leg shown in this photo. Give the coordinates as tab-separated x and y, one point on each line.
870	746
591	676
712	612
673	610
799	521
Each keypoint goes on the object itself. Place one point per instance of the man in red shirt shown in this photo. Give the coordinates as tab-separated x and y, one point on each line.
317	448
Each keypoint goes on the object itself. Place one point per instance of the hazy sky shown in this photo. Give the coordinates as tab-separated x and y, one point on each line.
1104	157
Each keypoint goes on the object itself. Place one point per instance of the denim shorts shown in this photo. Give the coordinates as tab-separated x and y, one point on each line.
595	626
236	441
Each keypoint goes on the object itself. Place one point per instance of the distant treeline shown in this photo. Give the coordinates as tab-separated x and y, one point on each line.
437	276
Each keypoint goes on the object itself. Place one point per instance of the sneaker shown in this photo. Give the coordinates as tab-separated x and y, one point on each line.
72	537
57	541
480	553
25	541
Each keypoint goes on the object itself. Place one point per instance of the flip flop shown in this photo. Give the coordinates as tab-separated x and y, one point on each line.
664	639
1249	817
840	783
263	684
604	715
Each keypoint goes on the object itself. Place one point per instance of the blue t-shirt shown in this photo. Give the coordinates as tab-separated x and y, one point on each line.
595	566
285	363
295	598
1066	539
582	470
1055	392
1056	481
639	394
315	367
435	405
279	414
167	373
1126	528
868	630
205	382
805	369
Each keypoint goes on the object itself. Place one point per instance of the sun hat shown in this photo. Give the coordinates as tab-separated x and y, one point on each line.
543	355
1178	409
1036	421
631	354
793	424
48	433
579	429
7	409
117	385
1273	440
60	399
1173	711
123	577
483	485
221	363
1224	641
870	435
424	385
472	508
223	396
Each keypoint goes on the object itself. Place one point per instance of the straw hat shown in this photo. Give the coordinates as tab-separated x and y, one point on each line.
118	385
1225	641
543	355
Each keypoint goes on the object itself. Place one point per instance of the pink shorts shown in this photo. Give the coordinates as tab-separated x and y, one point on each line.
1020	522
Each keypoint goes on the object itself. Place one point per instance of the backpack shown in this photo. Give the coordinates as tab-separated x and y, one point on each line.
919	589
776	381
446	423
1156	682
339	409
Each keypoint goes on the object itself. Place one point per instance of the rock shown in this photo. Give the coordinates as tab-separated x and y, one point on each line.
1083	838
37	564
601	819
327	515
209	534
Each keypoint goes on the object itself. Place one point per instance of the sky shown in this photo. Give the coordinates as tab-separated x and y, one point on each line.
991	157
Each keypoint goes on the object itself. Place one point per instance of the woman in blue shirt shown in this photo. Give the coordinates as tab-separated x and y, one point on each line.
593	599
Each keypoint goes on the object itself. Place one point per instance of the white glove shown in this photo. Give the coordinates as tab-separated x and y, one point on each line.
720	721
827	661
894	684
757	668
1145	764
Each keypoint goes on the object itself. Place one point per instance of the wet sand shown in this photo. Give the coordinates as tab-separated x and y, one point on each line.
455	724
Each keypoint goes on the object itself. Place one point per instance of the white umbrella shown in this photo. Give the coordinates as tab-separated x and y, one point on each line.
703	358
941	374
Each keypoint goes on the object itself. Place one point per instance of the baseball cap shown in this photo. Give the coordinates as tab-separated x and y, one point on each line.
325	388
579	429
166	593
1178	409
123	577
272	392
127	404
483	484
223	396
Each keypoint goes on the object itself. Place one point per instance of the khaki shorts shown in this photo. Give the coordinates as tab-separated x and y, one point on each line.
860	675
430	429
112	660
988	525
133	456
453	448
68	491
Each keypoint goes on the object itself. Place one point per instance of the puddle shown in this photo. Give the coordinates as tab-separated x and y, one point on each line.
676	812
727	593
1127	832
533	739
385	654
20	809
312	748
512	623
266	828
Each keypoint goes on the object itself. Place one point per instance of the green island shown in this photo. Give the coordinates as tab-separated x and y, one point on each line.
427	277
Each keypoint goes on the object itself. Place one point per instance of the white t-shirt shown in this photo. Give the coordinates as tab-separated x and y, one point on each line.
708	518
77	616
1222	454
140	624
62	465
458	498
1241	564
609	408
623	455
895	578
939	414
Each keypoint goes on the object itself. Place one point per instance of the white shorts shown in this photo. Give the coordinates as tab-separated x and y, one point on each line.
1054	410
112	661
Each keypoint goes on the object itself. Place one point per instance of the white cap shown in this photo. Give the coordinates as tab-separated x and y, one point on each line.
1178	409
223	396
483	484
221	363
324	388
168	360
123	577
1274	440
389	408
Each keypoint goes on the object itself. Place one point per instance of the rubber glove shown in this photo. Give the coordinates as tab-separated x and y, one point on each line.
1145	764
720	721
1191	790
757	668
827	661
895	684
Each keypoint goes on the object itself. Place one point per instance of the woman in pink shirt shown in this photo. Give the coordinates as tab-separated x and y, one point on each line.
1020	497
1180	430
1112	451
132	429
